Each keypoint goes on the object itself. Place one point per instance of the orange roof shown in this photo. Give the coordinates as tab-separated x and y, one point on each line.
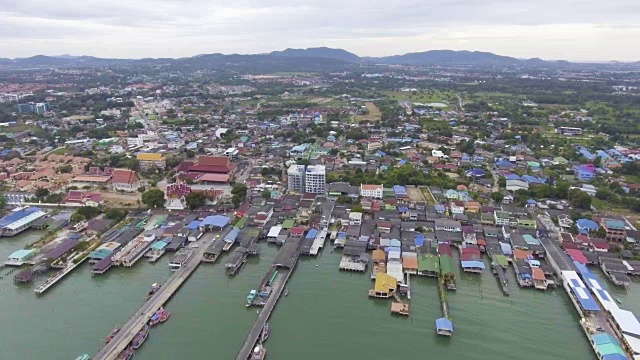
370	187
538	274
410	262
378	255
521	254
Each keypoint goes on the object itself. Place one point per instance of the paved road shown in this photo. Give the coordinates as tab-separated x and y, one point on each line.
562	260
140	318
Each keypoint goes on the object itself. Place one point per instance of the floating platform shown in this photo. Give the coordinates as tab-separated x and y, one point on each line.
400	309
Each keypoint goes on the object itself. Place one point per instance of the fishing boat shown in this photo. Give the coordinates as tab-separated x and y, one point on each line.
83	357
126	354
259	353
141	336
252	295
265	333
155	319
619	300
165	315
286	292
154	289
111	335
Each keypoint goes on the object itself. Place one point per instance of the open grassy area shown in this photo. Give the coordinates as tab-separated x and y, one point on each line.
374	113
427	196
423	96
60	151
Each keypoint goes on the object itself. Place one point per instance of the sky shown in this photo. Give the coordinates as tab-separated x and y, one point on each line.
575	30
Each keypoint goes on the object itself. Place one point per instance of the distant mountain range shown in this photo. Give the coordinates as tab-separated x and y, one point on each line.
319	58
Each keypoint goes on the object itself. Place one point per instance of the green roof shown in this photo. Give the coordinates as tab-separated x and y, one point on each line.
288	224
428	262
446	264
502	260
610	348
241	223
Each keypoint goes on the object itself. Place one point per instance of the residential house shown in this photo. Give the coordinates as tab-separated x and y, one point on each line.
515	185
448	225
472	207
501	218
528	224
615	229
372	191
456	207
564	221
355	218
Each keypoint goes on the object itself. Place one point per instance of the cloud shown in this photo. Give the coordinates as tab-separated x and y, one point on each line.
567	29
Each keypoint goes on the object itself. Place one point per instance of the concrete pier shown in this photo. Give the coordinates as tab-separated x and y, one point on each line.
111	350
252	338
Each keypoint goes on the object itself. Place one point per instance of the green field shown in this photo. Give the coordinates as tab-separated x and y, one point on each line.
423	96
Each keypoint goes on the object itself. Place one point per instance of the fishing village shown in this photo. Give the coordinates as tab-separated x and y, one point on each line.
255	214
386	248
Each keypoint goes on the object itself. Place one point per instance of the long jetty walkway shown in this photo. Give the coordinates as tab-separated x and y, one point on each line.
252	338
58	276
111	350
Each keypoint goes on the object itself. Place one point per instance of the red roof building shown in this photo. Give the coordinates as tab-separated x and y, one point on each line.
124	179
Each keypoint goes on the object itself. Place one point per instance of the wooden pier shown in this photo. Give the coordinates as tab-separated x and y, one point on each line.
122	339
502	278
445	310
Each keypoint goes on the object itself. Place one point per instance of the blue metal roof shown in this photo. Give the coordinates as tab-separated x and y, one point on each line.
194	224
587	224
312	234
17	215
472	264
444	324
232	235
399	189
215	220
614	357
582	294
419	240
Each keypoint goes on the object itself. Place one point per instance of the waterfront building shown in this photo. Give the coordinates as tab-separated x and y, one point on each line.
19	220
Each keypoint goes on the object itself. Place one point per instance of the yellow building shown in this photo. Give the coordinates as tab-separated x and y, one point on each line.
151	160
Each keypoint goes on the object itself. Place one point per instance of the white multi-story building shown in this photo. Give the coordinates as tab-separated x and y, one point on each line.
372	191
295	176
135	141
315	180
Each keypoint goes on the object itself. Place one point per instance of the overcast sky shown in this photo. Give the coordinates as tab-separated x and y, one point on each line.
578	30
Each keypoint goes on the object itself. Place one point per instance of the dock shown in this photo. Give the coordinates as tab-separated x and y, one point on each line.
318	241
502	278
284	264
122	339
444	326
254	334
58	276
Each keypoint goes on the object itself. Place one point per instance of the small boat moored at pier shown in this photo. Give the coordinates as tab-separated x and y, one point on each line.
265	333
141	336
111	335
259	353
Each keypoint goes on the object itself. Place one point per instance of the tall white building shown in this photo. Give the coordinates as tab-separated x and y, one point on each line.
295	176
315	180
